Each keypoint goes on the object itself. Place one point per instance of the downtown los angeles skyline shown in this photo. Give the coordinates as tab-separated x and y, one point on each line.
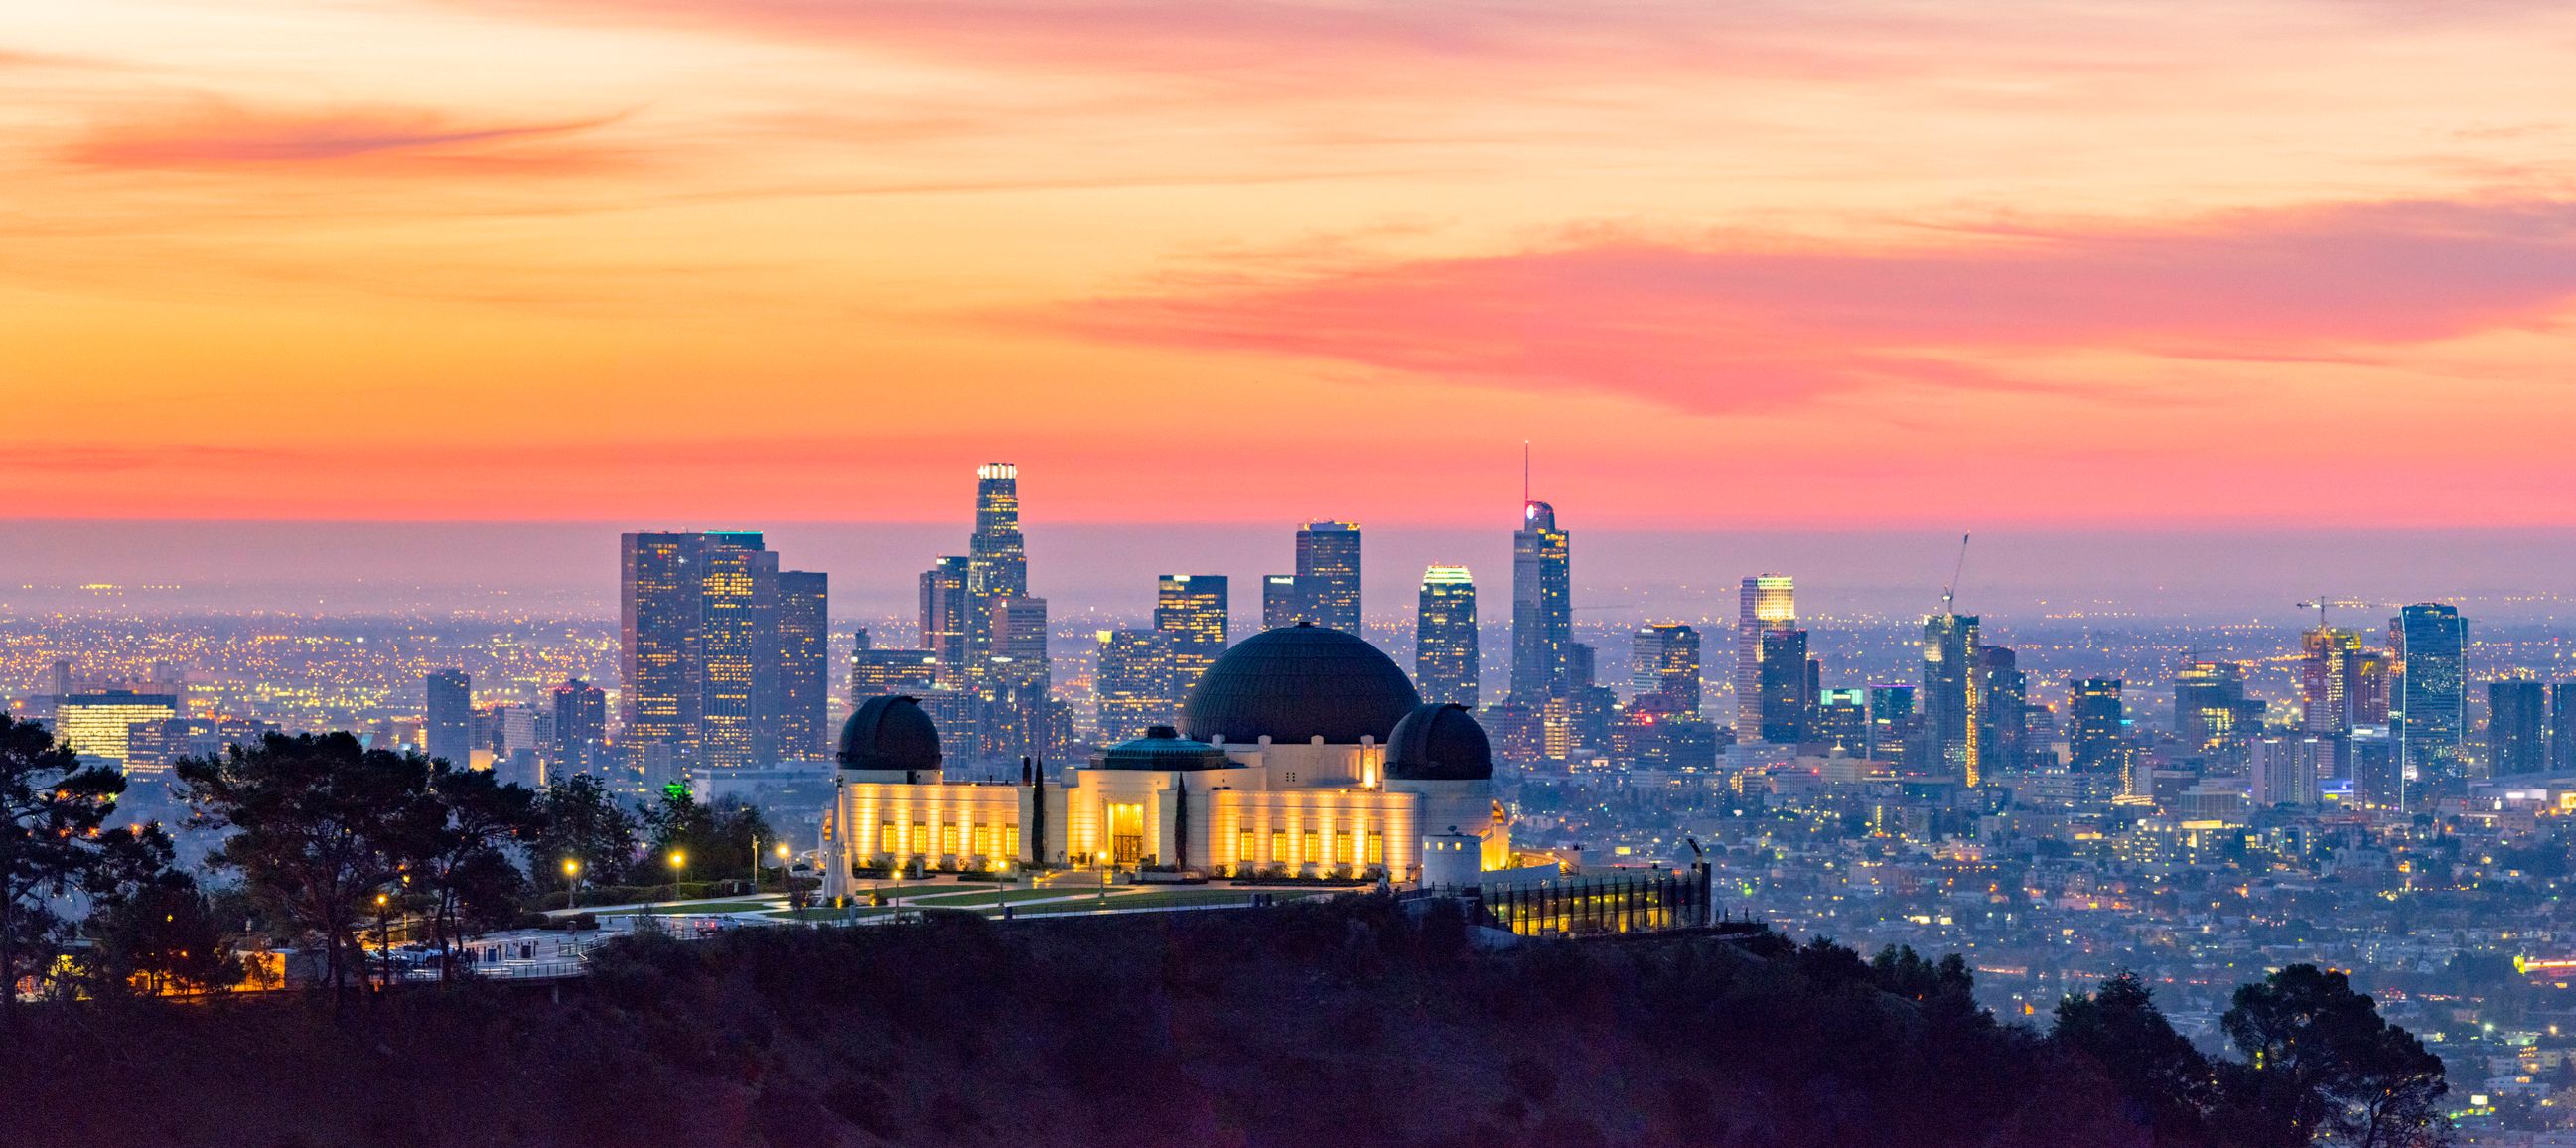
1896	266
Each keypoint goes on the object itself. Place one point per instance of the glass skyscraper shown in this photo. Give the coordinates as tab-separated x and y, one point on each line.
1192	609
1445	661
1664	670
1764	602
704	664
1542	604
1949	702
447	717
804	664
2430	718
1328	575
2516	723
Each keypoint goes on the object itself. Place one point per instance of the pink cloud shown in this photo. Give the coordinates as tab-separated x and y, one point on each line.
1725	326
216	134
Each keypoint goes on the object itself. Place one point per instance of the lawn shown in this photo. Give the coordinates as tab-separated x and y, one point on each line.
693	907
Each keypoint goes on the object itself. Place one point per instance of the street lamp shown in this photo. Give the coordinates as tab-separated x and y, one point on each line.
384	941
679	872
572	897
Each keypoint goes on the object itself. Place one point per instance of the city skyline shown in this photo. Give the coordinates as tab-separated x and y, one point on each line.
771	262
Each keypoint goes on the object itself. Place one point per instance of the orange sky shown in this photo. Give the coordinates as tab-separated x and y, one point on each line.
1763	264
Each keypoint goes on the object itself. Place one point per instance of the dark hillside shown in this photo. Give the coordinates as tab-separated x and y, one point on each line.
1304	1025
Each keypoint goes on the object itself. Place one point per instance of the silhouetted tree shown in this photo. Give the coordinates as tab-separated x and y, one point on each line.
584	824
2320	1060
53	841
318	825
2167	1085
159	935
717	838
463	858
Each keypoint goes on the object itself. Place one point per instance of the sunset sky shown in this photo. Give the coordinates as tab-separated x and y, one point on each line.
1765	264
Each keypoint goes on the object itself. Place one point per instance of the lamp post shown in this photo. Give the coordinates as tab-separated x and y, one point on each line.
384	943
572	897
785	887
679	871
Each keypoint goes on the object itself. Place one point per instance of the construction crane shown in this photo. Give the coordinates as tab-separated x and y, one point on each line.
2321	602
1950	593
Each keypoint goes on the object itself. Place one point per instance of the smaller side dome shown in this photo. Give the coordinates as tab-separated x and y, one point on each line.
1439	742
890	732
1163	748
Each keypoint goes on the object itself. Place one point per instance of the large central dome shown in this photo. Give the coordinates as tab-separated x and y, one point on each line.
1296	682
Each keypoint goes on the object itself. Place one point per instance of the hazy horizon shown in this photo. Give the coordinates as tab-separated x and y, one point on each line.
1108	569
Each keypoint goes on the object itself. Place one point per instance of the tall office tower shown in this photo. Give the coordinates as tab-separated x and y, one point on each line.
447	725
1445	662
2562	728
2515	743
804	665
2286	770
2004	697
62	675
580	734
878	672
1766	602
947	630
2376	780
1582	667
1949	703
1328	574
1192	609
997	564
1542	604
658	623
2094	738
1842	721
739	652
1019	679
1783	688
1664	670
1135	684
1891	720
2210	709
1282	602
2367	686
99	723
2325	678
2431	713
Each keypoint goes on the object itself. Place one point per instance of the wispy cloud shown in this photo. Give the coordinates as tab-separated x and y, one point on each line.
1720	325
213	134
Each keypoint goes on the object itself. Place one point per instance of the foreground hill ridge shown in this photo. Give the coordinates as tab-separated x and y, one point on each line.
1304	1024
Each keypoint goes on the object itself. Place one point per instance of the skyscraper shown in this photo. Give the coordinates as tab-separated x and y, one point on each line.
100	723
1783	688
2515	742
1135	684
2210	709
2431	642
2094	741
2562	728
1328	574
1281	602
1445	661
2003	709
1891	720
946	626
700	652
1664	670
1949	701
1766	602
997	564
738	652
2326	678
1192	609
1542	604
447	725
580	733
1018	681
804	726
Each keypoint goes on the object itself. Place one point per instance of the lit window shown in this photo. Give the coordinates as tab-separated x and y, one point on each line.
948	838
886	840
920	837
984	839
1313	850
1279	845
1011	841
1342	848
1376	848
1243	845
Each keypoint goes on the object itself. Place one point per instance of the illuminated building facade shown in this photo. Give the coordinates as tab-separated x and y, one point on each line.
2432	644
2096	740
2003	707
2326	657
1664	670
1542	604
1763	602
804	664
1134	683
874	672
1328	575
1446	663
1281	603
707	653
737	652
2210	709
99	723
2516	713
1782	687
1191	609
578	741
2562	728
1949	701
447	724
1892	720
1304	750
947	628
